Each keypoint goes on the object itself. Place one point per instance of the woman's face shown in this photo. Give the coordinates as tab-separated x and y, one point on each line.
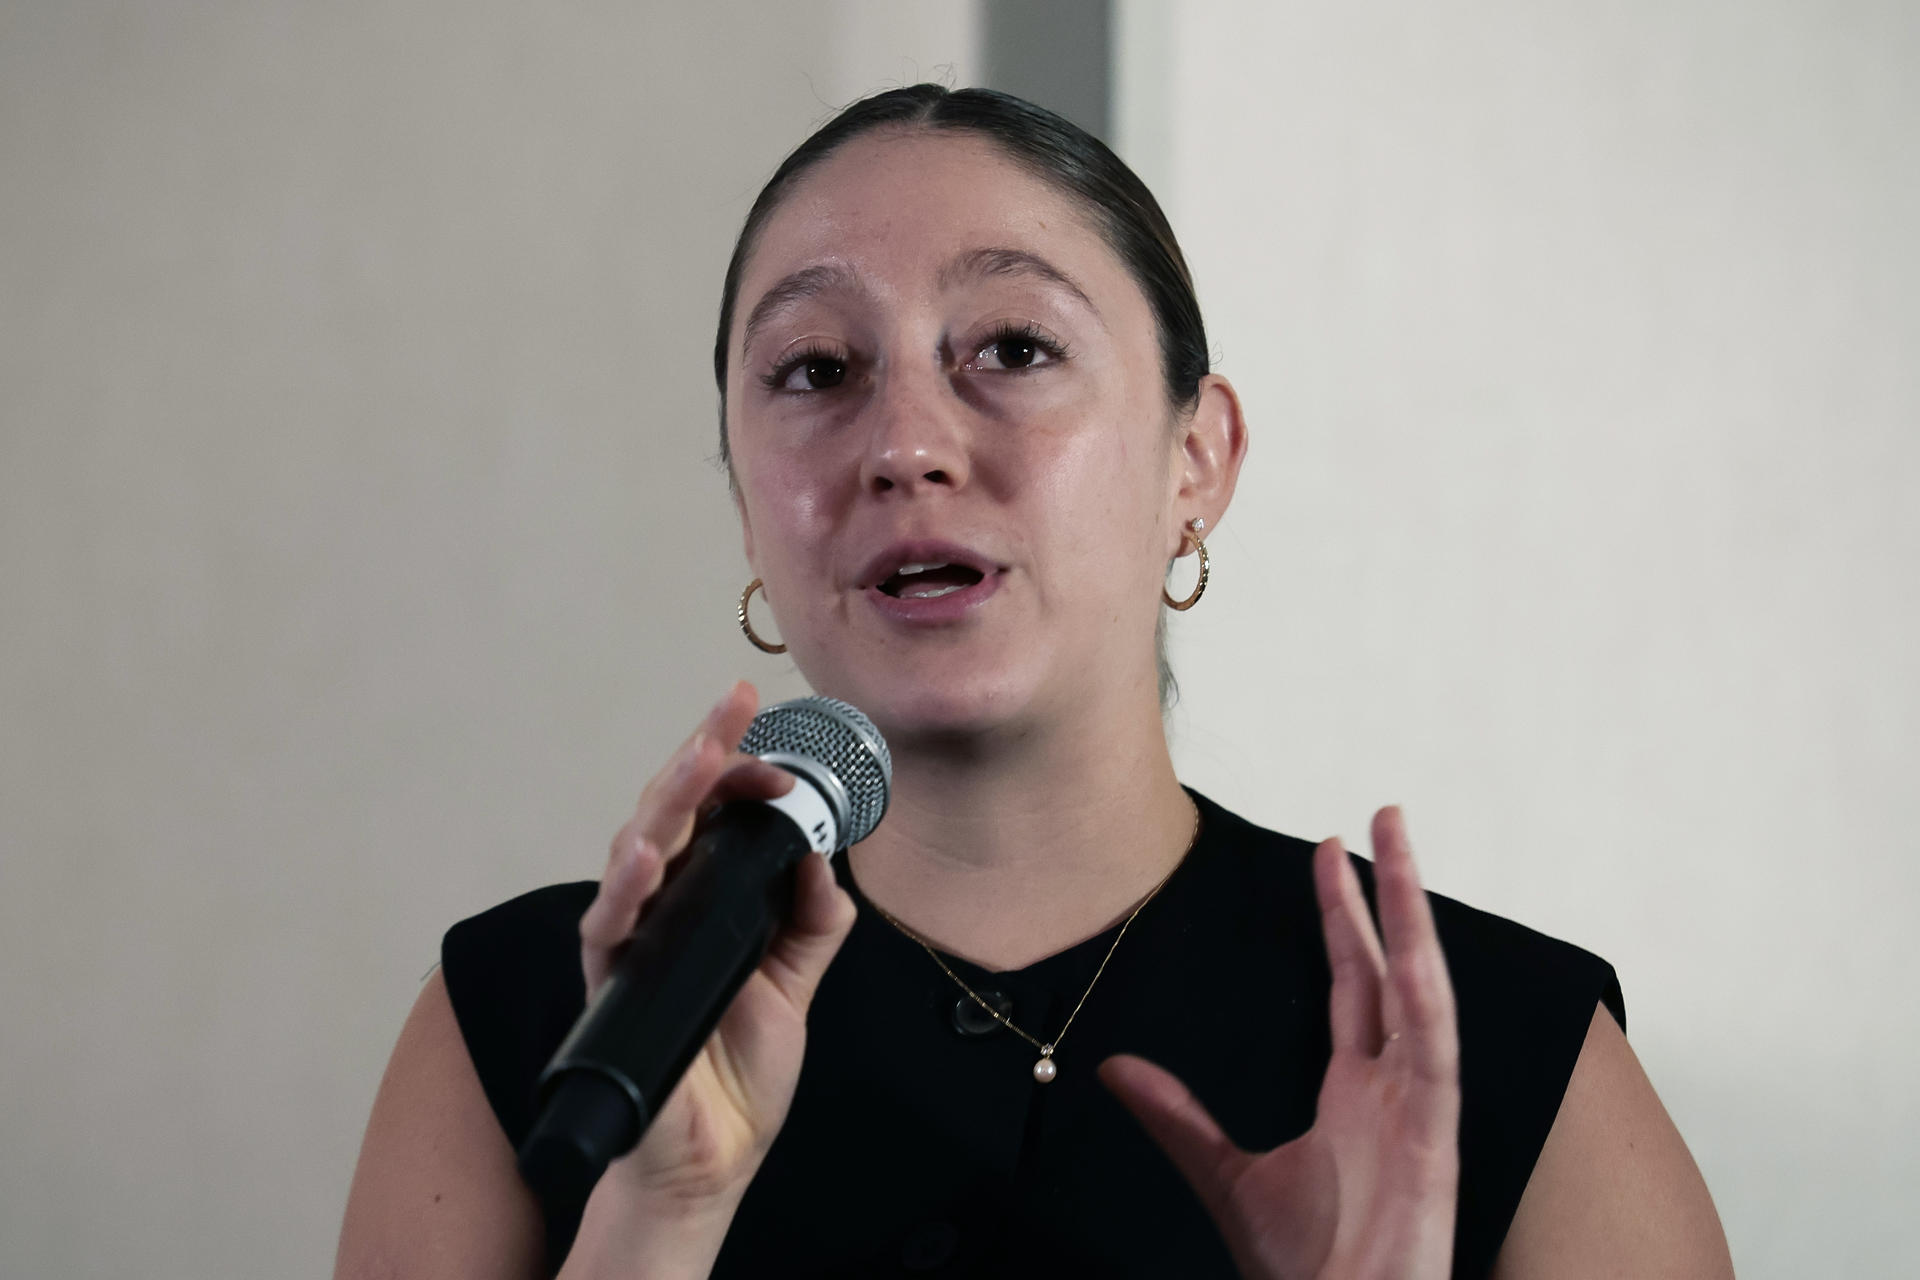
937	361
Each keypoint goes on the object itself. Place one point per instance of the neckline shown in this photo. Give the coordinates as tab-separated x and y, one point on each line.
1071	963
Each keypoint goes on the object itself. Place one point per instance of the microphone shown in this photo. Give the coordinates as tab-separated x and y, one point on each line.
700	938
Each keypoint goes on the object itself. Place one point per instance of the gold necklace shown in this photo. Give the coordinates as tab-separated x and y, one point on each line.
1044	1070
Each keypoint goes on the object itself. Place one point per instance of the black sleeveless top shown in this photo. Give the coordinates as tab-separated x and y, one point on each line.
920	1143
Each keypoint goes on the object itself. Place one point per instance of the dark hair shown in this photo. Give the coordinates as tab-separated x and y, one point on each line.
1057	151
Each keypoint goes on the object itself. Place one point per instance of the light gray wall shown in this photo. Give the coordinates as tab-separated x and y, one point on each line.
1579	343
360	547
360	551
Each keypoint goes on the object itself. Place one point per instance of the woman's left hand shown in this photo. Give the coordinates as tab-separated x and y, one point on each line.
1368	1192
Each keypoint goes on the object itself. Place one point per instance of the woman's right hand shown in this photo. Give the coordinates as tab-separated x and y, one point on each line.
706	1143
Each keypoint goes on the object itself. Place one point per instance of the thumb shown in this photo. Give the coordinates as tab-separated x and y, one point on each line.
823	915
1174	1118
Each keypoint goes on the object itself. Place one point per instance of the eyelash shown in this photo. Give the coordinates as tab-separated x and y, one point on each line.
776	377
1029	333
1007	332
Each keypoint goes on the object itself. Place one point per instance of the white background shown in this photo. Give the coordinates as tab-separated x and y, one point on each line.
1582	352
361	550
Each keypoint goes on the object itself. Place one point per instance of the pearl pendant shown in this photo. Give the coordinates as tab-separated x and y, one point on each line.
1044	1070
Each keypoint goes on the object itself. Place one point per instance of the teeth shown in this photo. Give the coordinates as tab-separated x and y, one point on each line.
919	568
931	593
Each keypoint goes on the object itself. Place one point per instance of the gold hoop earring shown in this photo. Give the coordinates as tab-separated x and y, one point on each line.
747	627
1191	534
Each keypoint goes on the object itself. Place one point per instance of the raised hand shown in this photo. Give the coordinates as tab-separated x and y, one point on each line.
1368	1192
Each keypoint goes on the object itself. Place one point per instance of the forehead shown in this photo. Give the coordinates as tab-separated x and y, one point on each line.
897	208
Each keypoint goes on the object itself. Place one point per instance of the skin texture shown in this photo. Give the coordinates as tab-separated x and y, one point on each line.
942	347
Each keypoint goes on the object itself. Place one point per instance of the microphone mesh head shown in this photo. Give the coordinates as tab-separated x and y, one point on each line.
842	740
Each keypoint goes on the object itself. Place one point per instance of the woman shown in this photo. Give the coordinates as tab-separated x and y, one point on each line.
969	421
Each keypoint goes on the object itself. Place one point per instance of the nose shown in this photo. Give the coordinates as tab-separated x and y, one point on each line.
917	440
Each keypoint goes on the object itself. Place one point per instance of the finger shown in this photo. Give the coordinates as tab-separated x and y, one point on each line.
1174	1118
742	777
745	777
636	867
731	716
1422	1002
823	915
715	779
635	859
632	875
609	918
710	772
1353	952
724	724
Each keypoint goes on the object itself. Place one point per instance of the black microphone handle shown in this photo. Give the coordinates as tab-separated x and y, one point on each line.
698	941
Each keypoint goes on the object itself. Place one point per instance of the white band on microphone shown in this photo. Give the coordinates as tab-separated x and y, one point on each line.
808	808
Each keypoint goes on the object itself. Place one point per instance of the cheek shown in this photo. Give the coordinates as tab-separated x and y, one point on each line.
1098	503
784	513
787	489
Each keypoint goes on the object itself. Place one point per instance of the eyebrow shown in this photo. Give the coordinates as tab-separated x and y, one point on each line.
805	283
977	263
974	264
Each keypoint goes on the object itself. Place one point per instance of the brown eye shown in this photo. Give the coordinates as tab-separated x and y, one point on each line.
810	373
822	374
1017	353
1015	349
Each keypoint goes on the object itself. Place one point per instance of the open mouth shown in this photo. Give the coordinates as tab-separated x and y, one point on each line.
928	581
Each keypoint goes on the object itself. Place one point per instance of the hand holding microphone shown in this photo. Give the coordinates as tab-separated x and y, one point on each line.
695	1024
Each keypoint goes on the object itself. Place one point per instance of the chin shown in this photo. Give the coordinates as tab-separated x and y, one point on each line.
946	701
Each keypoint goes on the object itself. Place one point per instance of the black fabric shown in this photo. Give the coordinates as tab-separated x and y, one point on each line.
919	1144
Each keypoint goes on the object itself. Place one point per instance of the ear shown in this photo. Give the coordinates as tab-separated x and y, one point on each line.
1211	446
746	527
